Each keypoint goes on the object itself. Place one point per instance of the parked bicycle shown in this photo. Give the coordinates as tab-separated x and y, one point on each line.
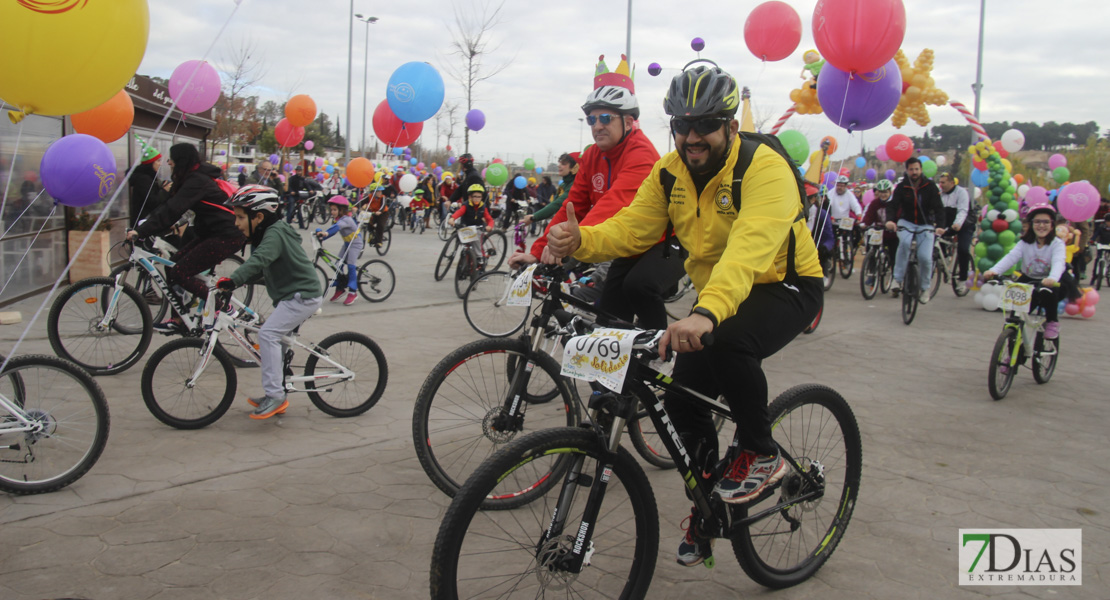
375	277
190	383
1021	341
1100	271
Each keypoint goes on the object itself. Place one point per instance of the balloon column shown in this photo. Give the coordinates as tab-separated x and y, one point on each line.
805	97
918	89
1002	225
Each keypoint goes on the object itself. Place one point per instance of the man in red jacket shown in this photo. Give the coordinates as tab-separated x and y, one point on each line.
610	172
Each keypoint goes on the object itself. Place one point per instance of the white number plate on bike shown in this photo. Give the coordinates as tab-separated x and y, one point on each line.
847	223
1017	297
468	234
418	213
875	238
601	356
520	293
364	216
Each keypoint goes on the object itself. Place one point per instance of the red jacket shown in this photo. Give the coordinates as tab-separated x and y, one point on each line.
606	182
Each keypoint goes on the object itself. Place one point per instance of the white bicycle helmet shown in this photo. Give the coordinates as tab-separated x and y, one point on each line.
255	198
842	179
613	97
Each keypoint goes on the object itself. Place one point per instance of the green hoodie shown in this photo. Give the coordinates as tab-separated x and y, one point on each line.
281	260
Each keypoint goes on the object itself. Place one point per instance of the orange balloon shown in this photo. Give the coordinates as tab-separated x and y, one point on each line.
360	172
832	144
107	122
300	110
1019	178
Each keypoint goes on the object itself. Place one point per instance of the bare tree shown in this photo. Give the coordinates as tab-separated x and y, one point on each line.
452	112
470	39
243	70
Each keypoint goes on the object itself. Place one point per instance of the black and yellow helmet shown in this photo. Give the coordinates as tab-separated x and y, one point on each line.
701	92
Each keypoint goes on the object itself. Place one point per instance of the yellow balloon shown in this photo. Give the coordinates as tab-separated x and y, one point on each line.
1009	166
68	56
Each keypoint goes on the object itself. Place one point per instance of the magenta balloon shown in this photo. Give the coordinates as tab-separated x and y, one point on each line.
1056	161
880	153
868	197
195	85
859	101
78	170
1036	195
475	120
1078	201
655	69
871	174
319	162
309	145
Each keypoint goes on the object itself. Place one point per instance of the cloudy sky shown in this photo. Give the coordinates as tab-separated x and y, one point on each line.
1041	61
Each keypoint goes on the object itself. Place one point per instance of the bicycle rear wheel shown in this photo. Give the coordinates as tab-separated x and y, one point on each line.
383	248
459	418
1044	365
938	273
446	257
73	326
72	412
376	280
347	397
911	289
480	554
1002	365
816	427
171	399
486	309
495	245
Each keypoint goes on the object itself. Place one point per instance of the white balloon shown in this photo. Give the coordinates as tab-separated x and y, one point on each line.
407	183
1022	190
990	302
941	160
1013	183
1013	140
978	298
978	192
992	215
1009	214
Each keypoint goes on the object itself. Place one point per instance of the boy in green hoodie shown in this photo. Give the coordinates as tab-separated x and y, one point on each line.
291	282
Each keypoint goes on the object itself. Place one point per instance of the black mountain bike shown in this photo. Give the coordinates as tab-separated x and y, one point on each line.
877	270
911	283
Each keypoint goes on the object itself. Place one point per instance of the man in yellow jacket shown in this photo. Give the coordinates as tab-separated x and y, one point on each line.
751	259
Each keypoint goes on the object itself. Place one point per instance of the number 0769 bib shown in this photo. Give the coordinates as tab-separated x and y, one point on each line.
600	356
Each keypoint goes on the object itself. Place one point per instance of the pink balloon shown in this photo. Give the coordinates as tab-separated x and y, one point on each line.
1078	201
286	135
868	197
319	162
880	153
309	145
1056	161
1071	308
195	85
1036	195
1088	312
859	35
1091	297
773	31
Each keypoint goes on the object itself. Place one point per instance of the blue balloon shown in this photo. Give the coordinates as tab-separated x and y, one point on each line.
861	162
924	158
413	161
330	169
520	182
539	170
398	151
415	92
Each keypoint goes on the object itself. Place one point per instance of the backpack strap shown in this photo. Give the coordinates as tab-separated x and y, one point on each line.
667	180
748	146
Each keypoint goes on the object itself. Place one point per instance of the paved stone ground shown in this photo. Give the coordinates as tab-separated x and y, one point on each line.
309	506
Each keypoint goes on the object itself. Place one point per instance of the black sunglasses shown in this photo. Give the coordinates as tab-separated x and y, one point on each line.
605	119
701	126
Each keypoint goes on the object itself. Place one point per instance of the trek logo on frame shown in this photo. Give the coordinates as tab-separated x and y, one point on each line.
1021	557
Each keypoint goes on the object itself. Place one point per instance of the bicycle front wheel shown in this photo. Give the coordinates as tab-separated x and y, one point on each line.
1003	366
886	272
495	245
71	415
178	402
78	333
466	271
938	273
844	258
375	280
446	257
139	279
347	397
479	554
486	306
1044	361
869	275
816	427
460	418
383	248
911	289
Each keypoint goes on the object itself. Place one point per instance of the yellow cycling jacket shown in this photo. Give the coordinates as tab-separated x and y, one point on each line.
730	250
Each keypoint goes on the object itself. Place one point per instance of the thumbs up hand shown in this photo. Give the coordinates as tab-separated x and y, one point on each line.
565	238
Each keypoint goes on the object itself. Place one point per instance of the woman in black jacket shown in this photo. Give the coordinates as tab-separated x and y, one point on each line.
194	188
147	193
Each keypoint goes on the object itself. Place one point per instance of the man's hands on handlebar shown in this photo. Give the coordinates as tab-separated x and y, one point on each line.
685	335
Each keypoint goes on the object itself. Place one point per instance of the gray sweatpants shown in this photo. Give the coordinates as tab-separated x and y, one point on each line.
287	316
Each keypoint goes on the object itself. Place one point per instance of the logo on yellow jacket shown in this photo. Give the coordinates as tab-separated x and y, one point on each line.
724	199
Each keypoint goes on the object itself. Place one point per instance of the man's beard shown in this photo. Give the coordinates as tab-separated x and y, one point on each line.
712	158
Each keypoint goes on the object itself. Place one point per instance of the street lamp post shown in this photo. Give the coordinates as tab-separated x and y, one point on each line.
977	87
365	65
350	59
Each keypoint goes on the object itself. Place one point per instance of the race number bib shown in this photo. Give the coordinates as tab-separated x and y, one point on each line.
875	238
1017	297
520	293
468	234
847	223
364	217
601	356
418	213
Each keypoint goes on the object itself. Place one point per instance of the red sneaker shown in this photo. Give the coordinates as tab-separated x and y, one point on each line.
338	292
351	296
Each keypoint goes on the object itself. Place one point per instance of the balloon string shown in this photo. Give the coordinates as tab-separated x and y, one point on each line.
16	221
177	124
15	270
11	170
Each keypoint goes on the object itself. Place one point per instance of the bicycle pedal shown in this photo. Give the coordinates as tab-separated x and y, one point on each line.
709	562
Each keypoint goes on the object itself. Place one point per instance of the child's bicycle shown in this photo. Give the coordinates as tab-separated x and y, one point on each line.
1021	341
344	375
104	324
583	520
375	277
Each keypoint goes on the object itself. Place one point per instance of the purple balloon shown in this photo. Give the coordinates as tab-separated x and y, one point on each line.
871	174
451	160
195	85
655	69
830	179
475	120
274	158
890	174
288	167
78	170
242	169
697	44
860	101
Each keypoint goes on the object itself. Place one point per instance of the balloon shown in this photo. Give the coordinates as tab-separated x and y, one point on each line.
360	172
109	121
844	171
1056	161
928	168
1036	195
829	144
413	161
195	85
1019	179
1013	140
871	174
868	197
498	161
795	144
286	135
1061	174
529	164
392	130
697	44
899	147
880	153
274	158
319	162
980	250
890	174
281	178
773	31
420	165
520	182
860	162
451	160
415	92
287	168
655	69
475	120
330	169
398	151
309	145
978	192
830	179
1022	191
1087	312
858	35
407	183
918	89
78	170
539	170
999	225
1078	201
448	148
408	152
942	160
1001	150
1071	308
301	110
496	174
924	159
62	58
859	101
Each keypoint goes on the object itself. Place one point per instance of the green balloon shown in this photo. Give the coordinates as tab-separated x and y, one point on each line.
1013	205
988	237
1007	197
995	251
985	264
929	169
1011	190
497	174
1015	226
529	164
1061	174
980	250
796	145
1007	238
1001	206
